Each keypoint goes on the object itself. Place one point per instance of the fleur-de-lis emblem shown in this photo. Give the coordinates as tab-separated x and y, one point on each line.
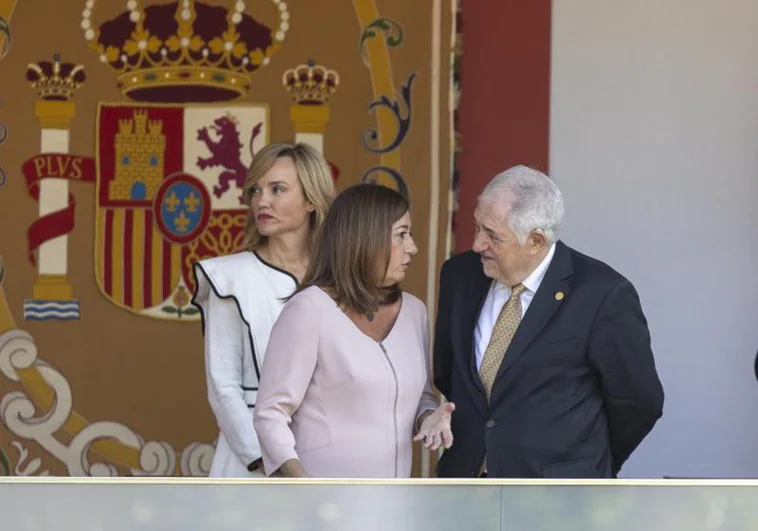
182	222
192	202
172	202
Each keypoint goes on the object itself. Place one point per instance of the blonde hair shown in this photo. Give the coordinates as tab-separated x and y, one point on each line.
314	175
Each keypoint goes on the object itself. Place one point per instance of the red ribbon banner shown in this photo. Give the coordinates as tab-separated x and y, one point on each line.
54	166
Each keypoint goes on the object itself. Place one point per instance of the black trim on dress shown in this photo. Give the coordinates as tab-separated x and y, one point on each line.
275	268
197	266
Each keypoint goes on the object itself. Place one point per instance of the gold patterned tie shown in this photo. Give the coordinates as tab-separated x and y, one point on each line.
502	334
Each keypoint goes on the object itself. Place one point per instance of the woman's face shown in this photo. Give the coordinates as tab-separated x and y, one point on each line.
278	201
401	251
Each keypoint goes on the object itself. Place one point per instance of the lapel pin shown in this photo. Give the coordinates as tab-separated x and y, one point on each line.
559	295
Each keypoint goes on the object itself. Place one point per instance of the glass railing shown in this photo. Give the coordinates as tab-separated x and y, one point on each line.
63	504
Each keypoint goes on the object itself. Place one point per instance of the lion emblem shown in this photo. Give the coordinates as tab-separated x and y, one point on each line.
226	151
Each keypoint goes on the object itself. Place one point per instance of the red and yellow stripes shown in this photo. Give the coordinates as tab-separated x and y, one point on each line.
137	267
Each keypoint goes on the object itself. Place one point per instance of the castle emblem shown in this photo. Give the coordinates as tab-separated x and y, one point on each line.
140	148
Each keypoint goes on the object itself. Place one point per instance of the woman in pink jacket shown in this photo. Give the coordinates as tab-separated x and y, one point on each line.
345	386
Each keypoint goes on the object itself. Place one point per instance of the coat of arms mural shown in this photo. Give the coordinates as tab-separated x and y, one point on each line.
125	137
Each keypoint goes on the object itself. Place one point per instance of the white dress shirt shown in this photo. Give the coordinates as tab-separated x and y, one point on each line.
496	299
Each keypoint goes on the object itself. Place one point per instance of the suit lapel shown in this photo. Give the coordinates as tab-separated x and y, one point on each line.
474	297
544	304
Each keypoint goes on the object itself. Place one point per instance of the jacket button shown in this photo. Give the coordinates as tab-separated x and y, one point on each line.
490	424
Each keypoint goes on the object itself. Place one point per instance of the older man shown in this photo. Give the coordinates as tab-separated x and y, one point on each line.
544	351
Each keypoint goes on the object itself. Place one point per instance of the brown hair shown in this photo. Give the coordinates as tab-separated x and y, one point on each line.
314	175
353	248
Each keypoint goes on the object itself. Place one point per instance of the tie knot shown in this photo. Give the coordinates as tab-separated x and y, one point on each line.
517	290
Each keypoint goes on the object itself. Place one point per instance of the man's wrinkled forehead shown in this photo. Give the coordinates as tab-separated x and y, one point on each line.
492	210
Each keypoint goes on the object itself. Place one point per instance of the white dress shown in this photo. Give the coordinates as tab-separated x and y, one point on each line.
239	297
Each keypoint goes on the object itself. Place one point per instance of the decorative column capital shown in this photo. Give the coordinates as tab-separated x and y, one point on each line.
55	114
309	119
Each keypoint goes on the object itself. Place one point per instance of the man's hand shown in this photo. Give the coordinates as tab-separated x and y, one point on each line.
435	428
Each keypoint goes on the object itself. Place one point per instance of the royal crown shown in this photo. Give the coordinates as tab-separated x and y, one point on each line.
310	84
55	80
186	50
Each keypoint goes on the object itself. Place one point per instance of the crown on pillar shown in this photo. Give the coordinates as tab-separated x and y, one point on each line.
186	50
310	84
55	81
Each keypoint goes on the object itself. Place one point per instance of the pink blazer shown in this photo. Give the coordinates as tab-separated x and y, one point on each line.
337	400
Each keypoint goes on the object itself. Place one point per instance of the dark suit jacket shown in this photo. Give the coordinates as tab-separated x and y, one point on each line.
577	390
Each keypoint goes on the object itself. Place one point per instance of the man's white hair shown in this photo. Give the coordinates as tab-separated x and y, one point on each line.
531	199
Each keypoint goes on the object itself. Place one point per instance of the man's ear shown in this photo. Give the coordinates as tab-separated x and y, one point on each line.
536	241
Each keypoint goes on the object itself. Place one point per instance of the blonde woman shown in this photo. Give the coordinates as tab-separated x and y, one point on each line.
289	188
